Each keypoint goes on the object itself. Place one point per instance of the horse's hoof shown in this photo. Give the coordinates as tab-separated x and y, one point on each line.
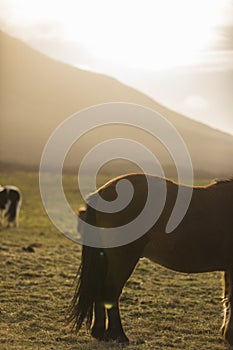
98	333
120	338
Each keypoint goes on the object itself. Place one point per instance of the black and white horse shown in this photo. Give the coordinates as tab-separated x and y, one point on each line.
10	202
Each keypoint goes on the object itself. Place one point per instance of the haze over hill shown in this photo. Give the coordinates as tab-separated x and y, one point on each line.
37	93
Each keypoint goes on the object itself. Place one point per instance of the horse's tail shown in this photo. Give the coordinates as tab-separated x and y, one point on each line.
89	281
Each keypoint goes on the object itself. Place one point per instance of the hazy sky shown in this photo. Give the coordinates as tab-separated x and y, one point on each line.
180	52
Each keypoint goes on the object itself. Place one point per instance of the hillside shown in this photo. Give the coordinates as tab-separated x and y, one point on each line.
37	93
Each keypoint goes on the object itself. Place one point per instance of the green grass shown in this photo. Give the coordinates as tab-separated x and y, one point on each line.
161	309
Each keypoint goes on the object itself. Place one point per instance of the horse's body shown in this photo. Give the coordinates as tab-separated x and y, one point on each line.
10	202
202	242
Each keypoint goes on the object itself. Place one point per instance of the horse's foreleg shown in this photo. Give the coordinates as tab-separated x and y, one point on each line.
16	221
98	328
2	217
225	300
227	327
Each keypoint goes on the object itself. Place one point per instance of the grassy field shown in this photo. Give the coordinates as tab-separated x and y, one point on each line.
161	309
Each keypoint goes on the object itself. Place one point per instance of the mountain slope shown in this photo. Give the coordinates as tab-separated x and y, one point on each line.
37	93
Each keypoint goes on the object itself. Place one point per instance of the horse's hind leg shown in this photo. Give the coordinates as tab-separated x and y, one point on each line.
227	327
98	327
121	263
115	329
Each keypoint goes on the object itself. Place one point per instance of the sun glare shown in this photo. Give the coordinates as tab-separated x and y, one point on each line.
153	34
161	35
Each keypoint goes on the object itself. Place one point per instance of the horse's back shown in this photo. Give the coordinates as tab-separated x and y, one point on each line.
203	241
13	193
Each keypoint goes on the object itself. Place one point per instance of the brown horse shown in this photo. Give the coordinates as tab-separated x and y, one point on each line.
202	242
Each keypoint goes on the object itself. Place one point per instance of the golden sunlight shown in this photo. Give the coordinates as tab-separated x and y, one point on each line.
149	34
155	35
